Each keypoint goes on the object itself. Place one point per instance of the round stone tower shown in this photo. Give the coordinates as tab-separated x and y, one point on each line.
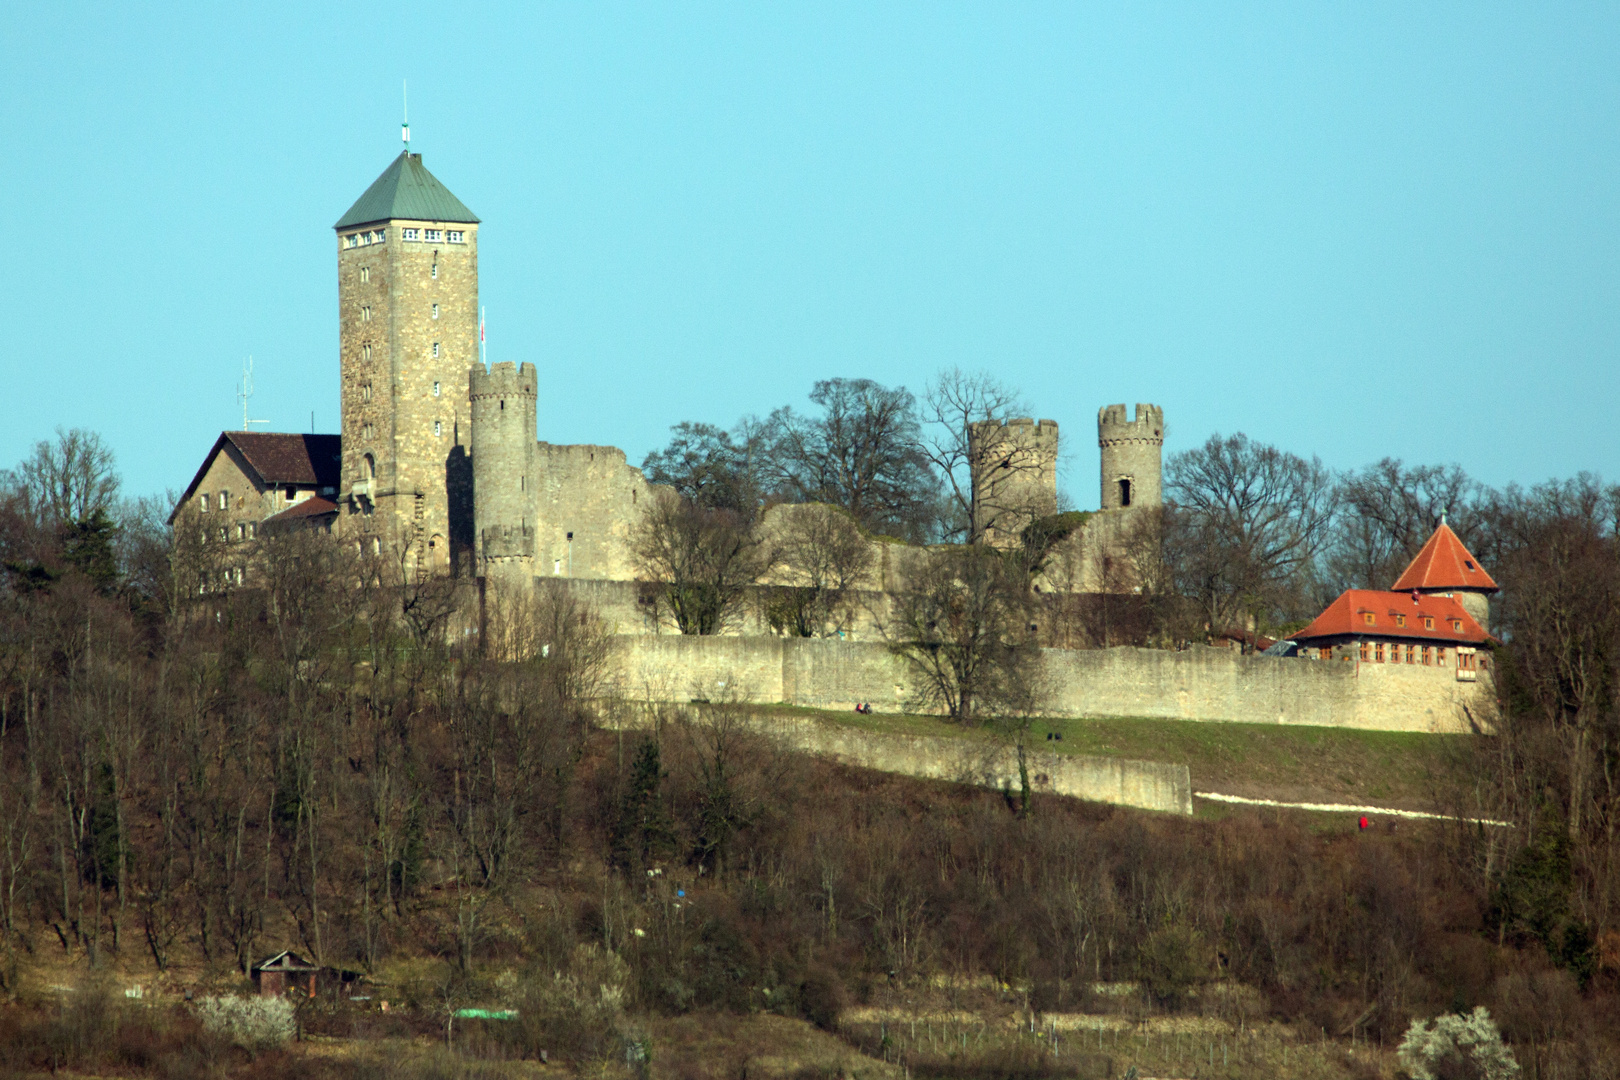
1013	468
1132	455
503	451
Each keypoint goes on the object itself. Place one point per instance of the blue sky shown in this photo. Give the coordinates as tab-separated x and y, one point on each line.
1352	230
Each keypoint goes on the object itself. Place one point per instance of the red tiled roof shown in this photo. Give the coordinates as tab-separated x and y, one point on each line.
1395	615
314	506
1444	563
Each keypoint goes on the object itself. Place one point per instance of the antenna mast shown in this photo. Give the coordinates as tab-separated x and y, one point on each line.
405	128
244	391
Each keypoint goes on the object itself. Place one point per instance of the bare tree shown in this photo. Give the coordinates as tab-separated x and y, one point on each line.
862	453
962	625
954	402
1389	510
710	466
71	479
820	558
1246	525
704	560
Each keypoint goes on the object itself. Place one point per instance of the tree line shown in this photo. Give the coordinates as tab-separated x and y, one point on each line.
315	761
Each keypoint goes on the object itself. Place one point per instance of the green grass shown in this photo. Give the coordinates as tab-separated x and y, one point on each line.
1289	763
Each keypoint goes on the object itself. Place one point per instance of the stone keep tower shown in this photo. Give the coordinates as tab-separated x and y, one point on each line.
408	312
503	461
1132	456
1013	468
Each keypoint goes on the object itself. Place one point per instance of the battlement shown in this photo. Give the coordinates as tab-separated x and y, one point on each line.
504	379
507	541
1039	429
1113	422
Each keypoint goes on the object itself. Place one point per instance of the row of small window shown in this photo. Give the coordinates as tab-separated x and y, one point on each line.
1400	620
366	237
245	530
231	575
365	316
1373	652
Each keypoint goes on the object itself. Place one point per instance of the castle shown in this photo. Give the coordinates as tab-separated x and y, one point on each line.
438	459
438	466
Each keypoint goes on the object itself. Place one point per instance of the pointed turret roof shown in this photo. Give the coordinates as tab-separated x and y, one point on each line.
406	190
1444	563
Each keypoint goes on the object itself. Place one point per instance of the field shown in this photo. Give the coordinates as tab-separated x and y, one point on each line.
1396	769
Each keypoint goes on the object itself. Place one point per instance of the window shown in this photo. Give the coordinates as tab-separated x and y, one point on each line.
1367	617
434	272
456	236
1468	563
1366	650
435	311
435	388
438	428
376	546
435	344
253	530
433	236
1400	620
408	234
365	351
1124	493
1428	655
241	531
1378	653
223	535
365	274
380	236
1428	622
351	240
205	504
224	500
1456	626
365	392
365	313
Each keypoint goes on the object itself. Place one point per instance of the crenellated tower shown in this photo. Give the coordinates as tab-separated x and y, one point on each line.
503	467
1132	456
1013	468
408	318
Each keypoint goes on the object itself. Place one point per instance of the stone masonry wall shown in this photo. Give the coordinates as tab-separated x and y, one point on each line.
1202	684
592	493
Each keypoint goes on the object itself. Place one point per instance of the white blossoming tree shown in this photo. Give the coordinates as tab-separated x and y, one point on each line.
1472	1038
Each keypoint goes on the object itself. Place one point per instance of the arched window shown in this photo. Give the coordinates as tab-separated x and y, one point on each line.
368	467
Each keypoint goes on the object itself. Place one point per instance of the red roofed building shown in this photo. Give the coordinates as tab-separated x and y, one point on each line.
1379	627
1445	567
1436	615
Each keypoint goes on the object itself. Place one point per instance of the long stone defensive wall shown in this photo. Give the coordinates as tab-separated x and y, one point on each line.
1146	785
1200	683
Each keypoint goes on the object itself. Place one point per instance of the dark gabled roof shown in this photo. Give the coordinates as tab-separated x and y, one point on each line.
1445	563
278	458
312	507
406	190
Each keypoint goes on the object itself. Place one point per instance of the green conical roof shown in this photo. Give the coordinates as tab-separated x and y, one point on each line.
406	190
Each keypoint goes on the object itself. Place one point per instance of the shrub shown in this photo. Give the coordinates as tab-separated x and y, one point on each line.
255	1023
1471	1039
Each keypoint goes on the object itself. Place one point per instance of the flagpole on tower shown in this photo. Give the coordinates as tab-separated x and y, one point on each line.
405	127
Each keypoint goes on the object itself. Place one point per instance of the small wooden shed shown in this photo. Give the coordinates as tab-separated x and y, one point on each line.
285	971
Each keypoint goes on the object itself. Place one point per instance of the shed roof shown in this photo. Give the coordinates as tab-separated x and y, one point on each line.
286	960
406	190
1414	615
312	507
1445	563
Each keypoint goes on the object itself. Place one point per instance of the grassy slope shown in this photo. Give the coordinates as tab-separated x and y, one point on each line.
1317	764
